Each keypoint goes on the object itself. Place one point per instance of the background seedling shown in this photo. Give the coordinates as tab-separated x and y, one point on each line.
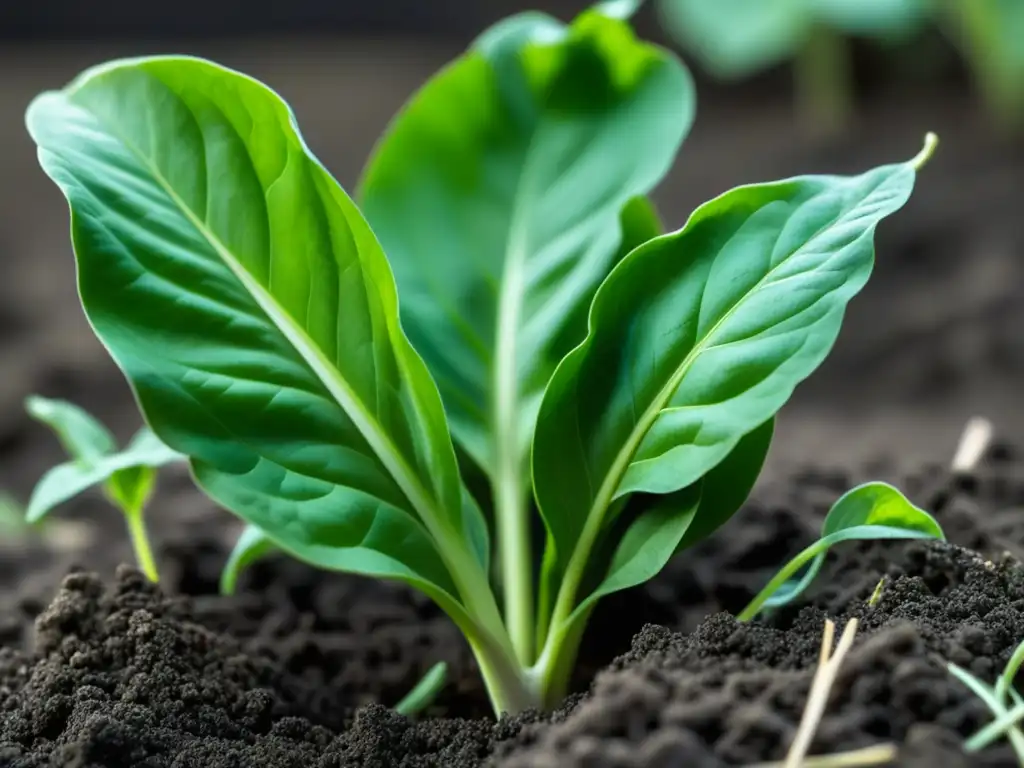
252	544
869	512
127	477
737	38
989	33
425	691
1005	722
733	39
616	387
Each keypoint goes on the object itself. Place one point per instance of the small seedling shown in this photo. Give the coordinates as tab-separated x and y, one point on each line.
424	692
737	38
616	386
127	477
869	512
252	544
998	699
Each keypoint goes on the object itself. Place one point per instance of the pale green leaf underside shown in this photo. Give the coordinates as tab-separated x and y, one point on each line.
874	511
497	194
700	336
254	313
82	436
128	474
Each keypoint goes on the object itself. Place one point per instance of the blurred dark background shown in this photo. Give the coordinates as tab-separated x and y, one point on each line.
934	339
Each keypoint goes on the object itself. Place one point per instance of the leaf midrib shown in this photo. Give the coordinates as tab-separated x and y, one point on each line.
367	425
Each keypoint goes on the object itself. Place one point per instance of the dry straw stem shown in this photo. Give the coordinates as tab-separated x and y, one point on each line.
880	754
974	441
817	699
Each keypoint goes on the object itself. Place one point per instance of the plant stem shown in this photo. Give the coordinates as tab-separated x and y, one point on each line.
780	578
516	560
140	542
508	687
823	81
510	490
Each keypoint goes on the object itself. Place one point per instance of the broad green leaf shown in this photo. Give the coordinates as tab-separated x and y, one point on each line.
499	194
699	337
254	312
881	18
82	436
252	545
127	476
870	511
734	38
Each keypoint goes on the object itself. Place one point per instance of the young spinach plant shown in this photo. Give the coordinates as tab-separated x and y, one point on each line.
127	476
615	386
737	38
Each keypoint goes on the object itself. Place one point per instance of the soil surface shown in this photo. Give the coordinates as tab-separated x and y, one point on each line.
99	668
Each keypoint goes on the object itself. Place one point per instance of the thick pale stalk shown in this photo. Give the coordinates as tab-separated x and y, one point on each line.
510	497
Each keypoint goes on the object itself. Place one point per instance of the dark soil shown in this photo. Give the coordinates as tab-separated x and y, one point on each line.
99	668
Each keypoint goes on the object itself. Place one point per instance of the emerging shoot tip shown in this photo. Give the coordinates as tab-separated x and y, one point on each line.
931	141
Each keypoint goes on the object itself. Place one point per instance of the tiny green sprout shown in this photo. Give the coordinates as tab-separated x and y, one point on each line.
425	692
252	544
868	512
498	301
876	594
127	477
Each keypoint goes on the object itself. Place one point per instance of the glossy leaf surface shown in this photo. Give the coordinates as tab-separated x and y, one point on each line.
498	193
699	337
870	511
255	315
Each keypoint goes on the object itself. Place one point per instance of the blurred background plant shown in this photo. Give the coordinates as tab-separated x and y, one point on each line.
734	39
